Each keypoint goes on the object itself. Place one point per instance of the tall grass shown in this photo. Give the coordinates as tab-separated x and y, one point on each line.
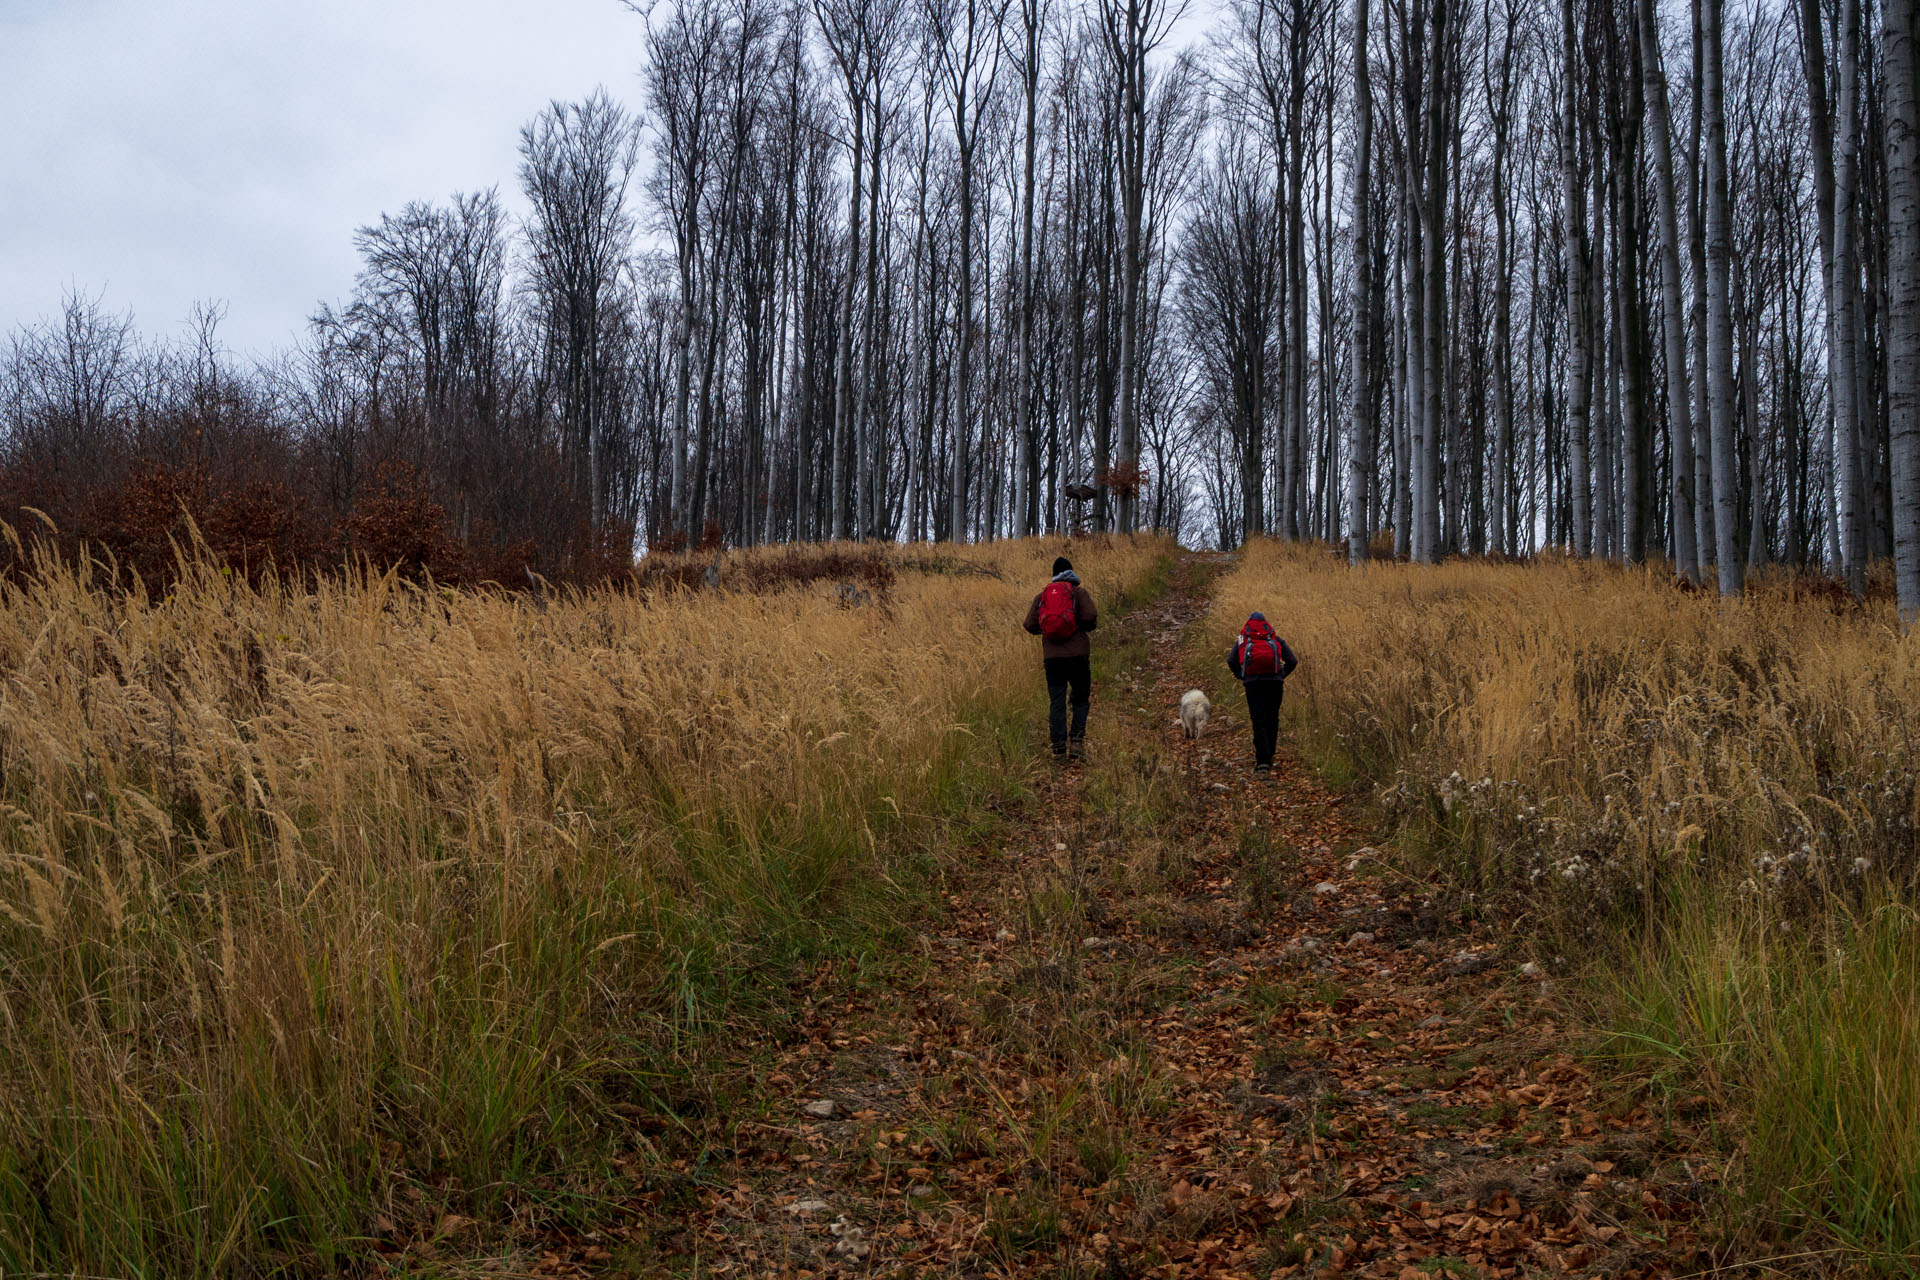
329	910
1712	806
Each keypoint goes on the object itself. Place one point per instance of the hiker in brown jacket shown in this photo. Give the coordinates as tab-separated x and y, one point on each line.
1062	615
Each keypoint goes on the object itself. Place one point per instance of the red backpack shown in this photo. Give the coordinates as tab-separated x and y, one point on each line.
1058	617
1259	649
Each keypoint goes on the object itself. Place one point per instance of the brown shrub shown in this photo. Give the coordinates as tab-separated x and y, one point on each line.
151	522
870	568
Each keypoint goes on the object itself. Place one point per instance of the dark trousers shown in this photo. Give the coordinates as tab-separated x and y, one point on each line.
1263	710
1064	675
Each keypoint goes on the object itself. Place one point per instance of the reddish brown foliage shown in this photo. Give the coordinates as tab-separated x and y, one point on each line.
145	523
1122	479
401	526
1818	588
870	569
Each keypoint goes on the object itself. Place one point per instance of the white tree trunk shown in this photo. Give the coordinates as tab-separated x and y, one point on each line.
1843	308
1435	294
1719	219
843	396
1360	420
1672	311
1579	310
1025	505
1899	47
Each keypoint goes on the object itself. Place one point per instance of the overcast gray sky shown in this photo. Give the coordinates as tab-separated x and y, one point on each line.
169	151
160	153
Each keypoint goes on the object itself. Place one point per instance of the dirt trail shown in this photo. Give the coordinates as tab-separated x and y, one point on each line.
1180	1021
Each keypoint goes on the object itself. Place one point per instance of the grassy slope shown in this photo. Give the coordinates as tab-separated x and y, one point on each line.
1708	810
339	917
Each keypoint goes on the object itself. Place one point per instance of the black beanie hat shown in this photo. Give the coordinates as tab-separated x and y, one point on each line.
1061	564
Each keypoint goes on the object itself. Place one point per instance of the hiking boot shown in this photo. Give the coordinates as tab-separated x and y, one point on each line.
1263	769
1077	749
1059	755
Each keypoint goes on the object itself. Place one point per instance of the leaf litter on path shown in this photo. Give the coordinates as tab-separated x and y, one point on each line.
1181	1022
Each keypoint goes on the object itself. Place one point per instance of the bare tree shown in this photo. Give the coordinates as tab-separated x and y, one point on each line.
684	68
575	163
1672	313
1360	458
1844	309
1580	361
1719	226
1900	56
1132	30
968	42
1231	259
1033	15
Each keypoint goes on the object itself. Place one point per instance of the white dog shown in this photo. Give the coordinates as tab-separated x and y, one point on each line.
1195	711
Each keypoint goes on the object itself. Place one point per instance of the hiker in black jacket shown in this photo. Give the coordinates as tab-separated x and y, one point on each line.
1263	662
1062	615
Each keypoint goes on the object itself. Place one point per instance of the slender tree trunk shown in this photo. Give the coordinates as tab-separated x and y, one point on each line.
1459	478
844	392
1435	291
1285	518
1133	159
1813	61
962	407
1498	531
869	437
1579	309
1026	508
1719	220
1672	316
1402	379
1705	537
1635	458
683	385
1843	308
1899	49
1418	423
1602	457
1360	417
1104	372
1747	329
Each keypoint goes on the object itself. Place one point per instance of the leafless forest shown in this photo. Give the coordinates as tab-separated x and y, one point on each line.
1426	276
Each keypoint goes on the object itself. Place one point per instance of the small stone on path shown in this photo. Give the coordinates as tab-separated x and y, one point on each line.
820	1107
1466	963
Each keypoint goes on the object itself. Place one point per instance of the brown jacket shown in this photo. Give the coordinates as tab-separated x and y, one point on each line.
1085	616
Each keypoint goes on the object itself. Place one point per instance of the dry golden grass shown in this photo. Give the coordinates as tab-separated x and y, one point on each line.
310	895
1612	714
1710	806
